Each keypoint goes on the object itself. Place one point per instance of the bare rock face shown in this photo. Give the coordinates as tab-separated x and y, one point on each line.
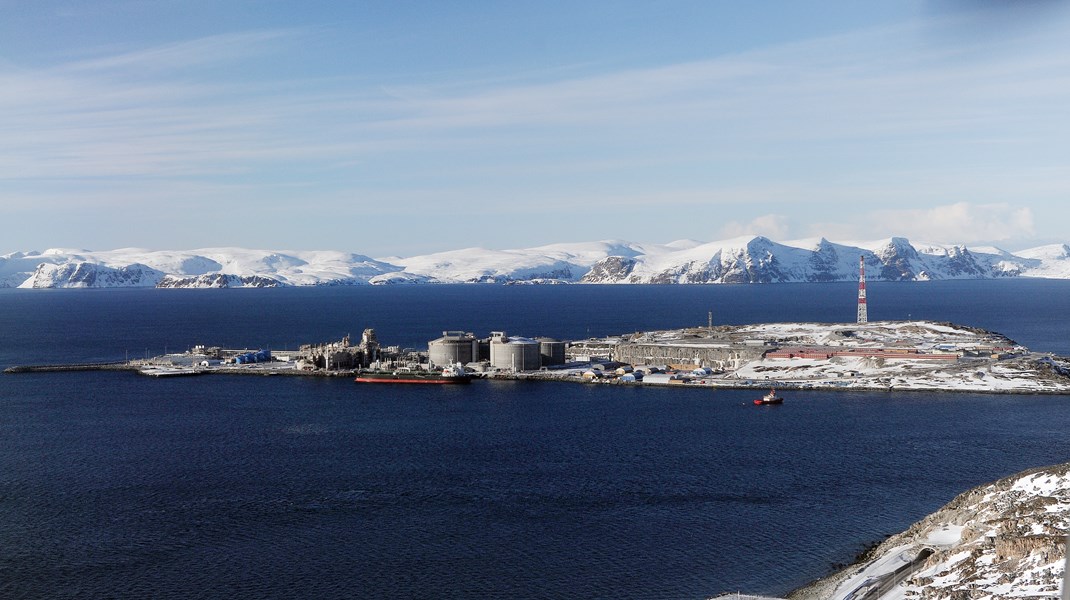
83	274
899	261
610	269
824	263
218	280
1004	539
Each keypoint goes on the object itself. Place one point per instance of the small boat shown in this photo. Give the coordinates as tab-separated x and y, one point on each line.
449	374
770	398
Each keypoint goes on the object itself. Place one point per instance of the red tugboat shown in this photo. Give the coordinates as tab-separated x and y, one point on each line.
770	398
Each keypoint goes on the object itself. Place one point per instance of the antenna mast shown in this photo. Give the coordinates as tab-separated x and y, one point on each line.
863	317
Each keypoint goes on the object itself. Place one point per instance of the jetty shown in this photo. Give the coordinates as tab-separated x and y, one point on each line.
98	366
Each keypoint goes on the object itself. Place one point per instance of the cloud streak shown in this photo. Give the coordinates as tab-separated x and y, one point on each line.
776	227
961	222
206	51
134	109
873	116
958	223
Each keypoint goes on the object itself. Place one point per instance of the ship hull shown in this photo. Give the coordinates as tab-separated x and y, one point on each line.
428	379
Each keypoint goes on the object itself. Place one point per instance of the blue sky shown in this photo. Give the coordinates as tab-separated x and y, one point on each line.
401	128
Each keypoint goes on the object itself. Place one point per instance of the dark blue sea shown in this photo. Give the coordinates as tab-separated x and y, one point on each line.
114	485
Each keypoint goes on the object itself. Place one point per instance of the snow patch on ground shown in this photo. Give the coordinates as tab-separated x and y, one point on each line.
882	355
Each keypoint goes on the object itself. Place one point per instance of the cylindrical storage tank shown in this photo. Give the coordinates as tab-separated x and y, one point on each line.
483	354
450	349
514	354
551	352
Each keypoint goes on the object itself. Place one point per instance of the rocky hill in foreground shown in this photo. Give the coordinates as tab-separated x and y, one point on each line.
1001	540
752	259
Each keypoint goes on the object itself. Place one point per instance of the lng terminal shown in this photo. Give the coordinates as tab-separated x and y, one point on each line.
874	355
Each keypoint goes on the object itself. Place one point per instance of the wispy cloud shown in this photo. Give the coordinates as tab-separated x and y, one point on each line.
828	122
772	226
142	113
211	50
961	222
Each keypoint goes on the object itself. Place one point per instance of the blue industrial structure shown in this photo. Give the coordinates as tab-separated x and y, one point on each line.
253	357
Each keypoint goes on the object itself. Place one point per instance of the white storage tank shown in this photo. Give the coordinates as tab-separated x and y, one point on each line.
453	347
551	352
513	353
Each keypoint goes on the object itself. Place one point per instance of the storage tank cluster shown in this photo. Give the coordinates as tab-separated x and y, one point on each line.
253	357
500	350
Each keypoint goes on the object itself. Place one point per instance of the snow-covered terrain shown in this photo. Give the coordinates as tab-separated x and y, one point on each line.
752	259
879	355
209	267
1001	540
1015	370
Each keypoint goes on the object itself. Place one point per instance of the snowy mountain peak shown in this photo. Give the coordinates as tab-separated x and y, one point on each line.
91	275
1052	251
745	259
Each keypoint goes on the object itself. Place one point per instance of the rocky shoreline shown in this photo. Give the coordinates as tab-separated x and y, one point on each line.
999	540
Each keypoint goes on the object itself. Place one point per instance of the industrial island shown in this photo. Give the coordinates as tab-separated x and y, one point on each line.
883	355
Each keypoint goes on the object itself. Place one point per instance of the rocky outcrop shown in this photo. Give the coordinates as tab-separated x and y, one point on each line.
825	263
218	280
91	275
1004	539
610	269
899	261
962	264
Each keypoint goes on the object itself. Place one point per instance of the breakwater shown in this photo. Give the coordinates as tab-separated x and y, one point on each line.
107	366
138	367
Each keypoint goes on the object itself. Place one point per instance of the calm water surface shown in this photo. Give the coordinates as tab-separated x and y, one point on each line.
114	485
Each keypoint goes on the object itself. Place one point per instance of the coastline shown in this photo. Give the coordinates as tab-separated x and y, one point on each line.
885	356
919	385
1000	539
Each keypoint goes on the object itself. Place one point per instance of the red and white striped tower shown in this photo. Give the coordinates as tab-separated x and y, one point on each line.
862	316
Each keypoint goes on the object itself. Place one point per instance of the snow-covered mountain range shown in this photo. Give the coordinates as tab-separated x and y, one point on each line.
753	259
